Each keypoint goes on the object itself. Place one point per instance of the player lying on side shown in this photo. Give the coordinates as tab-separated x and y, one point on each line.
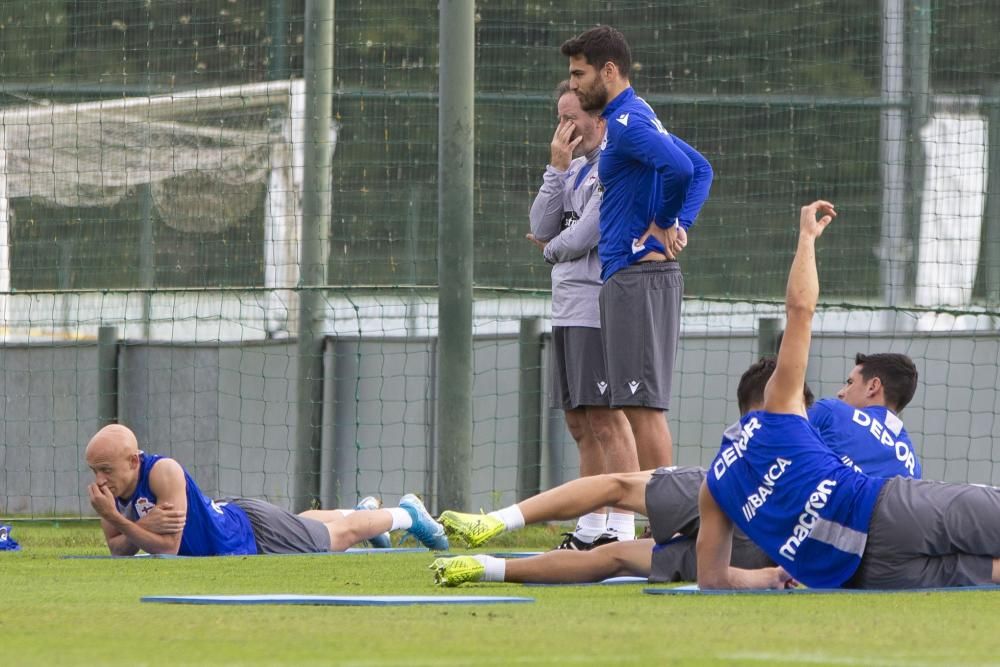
826	524
878	388
148	502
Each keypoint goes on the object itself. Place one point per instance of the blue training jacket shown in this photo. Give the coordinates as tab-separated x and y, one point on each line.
647	175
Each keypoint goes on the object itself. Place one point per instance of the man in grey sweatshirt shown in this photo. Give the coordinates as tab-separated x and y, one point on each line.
565	218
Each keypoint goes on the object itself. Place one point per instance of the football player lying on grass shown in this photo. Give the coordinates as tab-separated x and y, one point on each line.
862	425
149	502
825	524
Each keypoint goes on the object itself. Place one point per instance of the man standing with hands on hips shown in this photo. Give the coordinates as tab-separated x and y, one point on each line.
654	186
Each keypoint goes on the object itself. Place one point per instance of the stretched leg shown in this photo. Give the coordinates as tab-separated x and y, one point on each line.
355	527
634	558
618	559
349	527
326	516
653	441
568	501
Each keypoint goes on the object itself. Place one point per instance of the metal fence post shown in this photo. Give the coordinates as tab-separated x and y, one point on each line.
107	375
529	451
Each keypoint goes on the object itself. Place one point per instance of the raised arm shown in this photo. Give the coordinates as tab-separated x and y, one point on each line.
783	393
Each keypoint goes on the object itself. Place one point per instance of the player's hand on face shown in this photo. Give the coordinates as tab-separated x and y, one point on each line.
539	244
102	500
814	218
563	145
164	520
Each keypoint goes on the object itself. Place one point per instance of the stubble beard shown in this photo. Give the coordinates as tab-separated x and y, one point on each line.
594	100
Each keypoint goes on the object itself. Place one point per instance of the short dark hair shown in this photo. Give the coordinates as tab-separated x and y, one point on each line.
751	388
897	373
601	45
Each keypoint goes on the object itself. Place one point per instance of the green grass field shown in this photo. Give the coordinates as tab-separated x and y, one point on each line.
58	611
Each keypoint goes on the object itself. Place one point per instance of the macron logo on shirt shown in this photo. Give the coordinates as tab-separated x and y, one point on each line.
623	119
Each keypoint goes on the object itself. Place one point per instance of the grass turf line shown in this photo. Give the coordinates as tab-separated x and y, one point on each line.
87	612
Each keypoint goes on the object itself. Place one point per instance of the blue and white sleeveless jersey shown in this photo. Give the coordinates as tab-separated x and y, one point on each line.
871	440
647	175
211	529
777	480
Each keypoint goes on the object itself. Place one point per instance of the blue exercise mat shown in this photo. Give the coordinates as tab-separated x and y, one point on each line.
607	582
349	552
694	590
108	556
334	600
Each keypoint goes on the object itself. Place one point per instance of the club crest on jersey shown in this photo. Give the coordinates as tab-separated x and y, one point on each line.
569	219
144	506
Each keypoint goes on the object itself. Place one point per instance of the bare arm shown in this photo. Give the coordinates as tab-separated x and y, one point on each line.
715	548
783	393
118	544
124	536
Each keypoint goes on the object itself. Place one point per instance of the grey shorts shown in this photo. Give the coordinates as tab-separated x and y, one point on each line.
672	508
677	560
640	325
672	501
926	534
278	531
577	363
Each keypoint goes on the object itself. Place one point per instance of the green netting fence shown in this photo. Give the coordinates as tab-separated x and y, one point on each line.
151	173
